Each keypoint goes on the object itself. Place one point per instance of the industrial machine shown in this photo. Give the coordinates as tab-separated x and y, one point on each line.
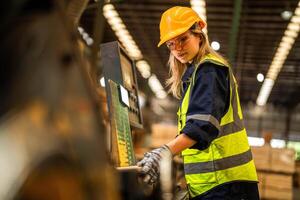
123	102
125	116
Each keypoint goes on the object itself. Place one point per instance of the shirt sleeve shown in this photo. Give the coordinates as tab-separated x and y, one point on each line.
209	101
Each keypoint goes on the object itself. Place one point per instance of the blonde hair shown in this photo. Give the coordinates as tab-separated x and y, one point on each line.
177	68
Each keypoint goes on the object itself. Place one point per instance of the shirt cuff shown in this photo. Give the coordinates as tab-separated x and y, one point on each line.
202	133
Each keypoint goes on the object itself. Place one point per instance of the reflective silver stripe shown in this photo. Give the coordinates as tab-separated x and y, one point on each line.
233	127
237	125
230	128
203	117
221	164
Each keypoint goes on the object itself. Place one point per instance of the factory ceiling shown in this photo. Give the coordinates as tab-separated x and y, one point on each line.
249	33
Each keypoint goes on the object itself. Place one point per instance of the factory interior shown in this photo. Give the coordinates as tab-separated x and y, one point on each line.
85	98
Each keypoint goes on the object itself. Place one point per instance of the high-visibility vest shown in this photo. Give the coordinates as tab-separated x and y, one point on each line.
229	157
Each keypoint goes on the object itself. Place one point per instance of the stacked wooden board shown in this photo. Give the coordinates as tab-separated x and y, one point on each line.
275	169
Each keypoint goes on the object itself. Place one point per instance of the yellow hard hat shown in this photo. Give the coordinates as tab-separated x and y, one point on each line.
176	21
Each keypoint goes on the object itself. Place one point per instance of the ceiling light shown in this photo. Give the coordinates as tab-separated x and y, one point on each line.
285	46
215	45
119	27
260	77
277	143
297	11
286	15
290	33
111	13
287	41
85	36
89	41
200	7
293	26
256	141
197	3
143	68
116	20
154	83
108	7
296	19
132	49
156	87
265	92
80	29
161	94
200	10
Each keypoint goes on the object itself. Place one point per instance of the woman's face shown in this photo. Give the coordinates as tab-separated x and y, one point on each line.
184	47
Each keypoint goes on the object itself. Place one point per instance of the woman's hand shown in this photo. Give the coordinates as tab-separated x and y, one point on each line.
150	164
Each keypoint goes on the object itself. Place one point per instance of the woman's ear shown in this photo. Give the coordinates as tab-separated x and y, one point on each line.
198	26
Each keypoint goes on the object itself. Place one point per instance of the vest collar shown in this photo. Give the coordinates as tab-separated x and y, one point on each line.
188	73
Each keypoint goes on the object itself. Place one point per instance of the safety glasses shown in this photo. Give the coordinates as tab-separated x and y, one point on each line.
178	42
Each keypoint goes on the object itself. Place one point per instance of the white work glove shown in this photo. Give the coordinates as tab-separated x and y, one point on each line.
151	162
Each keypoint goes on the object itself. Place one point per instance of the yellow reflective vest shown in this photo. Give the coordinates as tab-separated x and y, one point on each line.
228	158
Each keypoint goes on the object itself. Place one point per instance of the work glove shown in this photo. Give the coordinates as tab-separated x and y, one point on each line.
150	164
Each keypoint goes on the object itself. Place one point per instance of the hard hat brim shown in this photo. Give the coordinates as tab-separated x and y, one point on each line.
172	35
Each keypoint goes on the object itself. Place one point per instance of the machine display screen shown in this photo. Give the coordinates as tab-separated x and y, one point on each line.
127	73
120	68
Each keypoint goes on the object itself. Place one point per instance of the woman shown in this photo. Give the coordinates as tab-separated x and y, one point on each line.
212	139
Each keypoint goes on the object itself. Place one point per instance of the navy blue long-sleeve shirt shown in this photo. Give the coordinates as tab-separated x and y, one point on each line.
210	96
